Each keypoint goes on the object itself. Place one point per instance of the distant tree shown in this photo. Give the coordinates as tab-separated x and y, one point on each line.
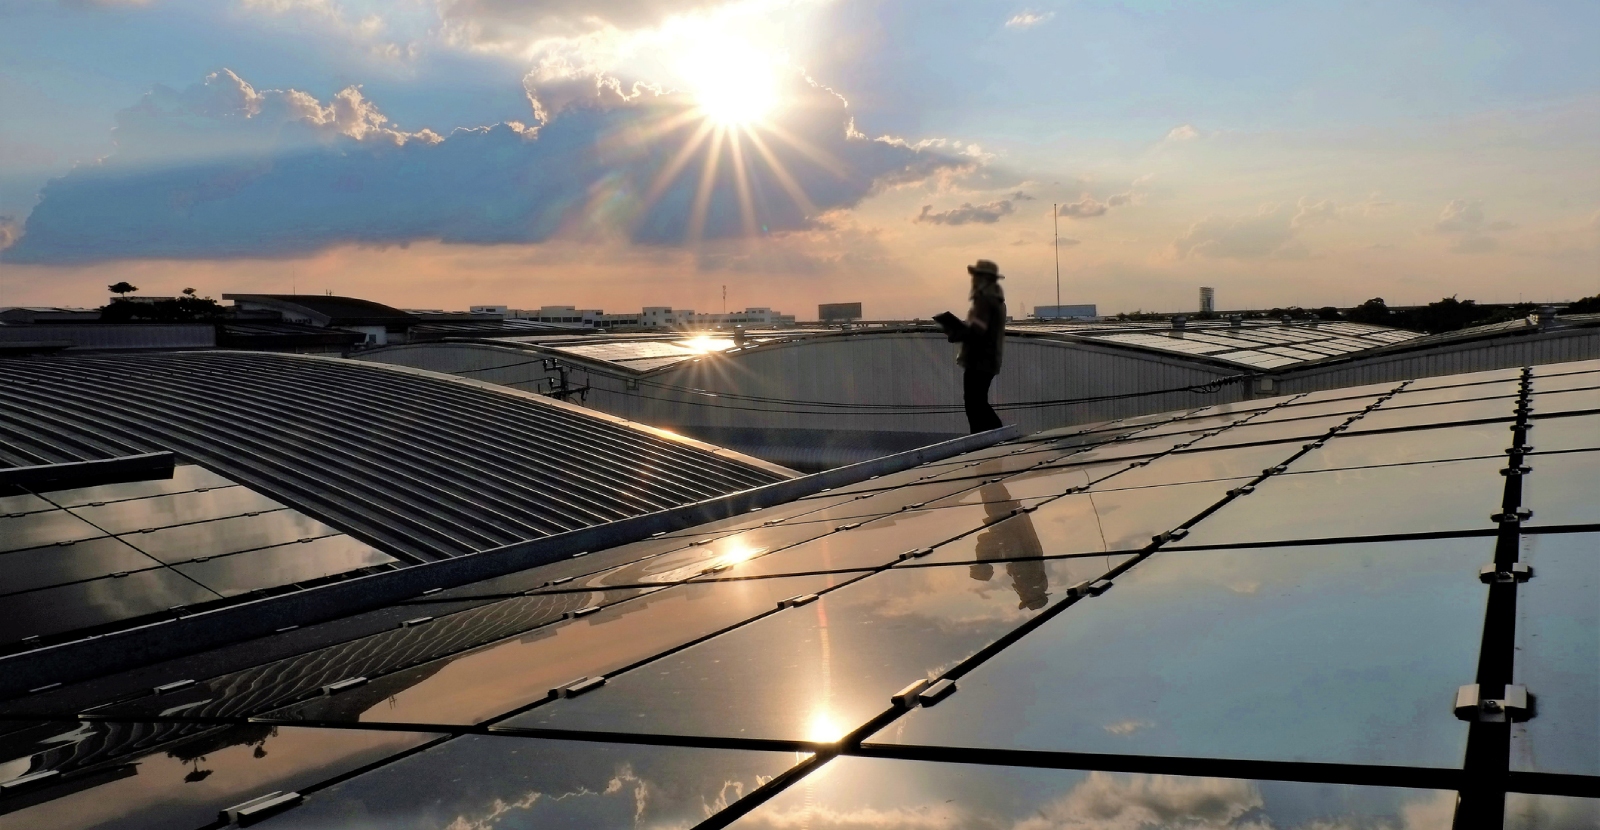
122	288
188	292
185	309
1372	312
1587	305
1328	312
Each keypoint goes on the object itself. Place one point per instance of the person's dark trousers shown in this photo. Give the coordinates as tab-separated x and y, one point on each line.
975	393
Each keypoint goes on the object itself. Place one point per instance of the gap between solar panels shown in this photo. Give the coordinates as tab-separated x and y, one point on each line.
168	639
1490	703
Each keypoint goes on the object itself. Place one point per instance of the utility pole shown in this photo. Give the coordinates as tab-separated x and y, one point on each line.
724	299
1055	222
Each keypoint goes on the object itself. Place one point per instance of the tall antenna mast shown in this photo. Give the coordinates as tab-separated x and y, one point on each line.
1055	221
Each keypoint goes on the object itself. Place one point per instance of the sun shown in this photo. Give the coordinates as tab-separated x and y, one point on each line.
733	83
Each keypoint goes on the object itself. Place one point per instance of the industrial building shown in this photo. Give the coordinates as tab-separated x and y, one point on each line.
1370	607
814	399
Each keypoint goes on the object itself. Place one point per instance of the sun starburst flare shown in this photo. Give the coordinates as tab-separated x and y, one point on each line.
733	98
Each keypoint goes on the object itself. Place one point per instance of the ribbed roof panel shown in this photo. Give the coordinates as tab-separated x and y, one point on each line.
424	467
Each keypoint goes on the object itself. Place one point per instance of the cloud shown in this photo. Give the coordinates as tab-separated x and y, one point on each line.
1028	19
104	4
1128	727
968	213
813	817
1084	208
985	214
1464	220
330	16
223	170
519	25
1375	204
1104	801
1067	242
1087	207
1268	233
1182	132
9	231
1314	213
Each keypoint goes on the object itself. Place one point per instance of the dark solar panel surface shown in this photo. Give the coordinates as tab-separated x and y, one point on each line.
1278	643
91	559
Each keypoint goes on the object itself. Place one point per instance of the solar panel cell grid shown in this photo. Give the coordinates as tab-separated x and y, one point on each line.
761	680
1235	624
1418	498
1558	655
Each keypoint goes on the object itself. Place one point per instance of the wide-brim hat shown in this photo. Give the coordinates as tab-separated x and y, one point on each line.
985	268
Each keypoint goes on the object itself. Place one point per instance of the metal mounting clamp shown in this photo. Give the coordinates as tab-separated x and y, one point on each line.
573	688
797	601
907	697
936	692
1518	572
1516	471
1522	514
1089	588
340	685
1471	706
1170	536
256	809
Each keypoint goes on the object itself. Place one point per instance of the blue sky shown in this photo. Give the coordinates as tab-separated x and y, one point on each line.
1306	153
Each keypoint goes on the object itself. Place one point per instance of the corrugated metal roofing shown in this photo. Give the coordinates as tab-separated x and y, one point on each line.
423	466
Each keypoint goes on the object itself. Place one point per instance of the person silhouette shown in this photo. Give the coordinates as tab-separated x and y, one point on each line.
982	342
1011	538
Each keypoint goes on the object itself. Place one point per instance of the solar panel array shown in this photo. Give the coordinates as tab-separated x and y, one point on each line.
89	559
1367	608
1255	346
419	466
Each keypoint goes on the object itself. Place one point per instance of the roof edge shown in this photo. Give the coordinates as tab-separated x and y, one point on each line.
665	435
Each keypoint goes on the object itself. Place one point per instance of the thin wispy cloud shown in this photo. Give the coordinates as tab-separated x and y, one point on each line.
1028	19
1182	132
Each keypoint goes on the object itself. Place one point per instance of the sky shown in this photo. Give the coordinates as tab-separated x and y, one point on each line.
620	153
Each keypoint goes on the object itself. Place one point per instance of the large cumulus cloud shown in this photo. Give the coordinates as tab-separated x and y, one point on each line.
222	170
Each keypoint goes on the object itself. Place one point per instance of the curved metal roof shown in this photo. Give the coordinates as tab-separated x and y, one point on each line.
425	466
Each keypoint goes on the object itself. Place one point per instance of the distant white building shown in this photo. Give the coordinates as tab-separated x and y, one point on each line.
1208	300
1064	312
656	316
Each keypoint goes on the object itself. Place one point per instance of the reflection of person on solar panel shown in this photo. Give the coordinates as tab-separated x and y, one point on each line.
1009	537
982	337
